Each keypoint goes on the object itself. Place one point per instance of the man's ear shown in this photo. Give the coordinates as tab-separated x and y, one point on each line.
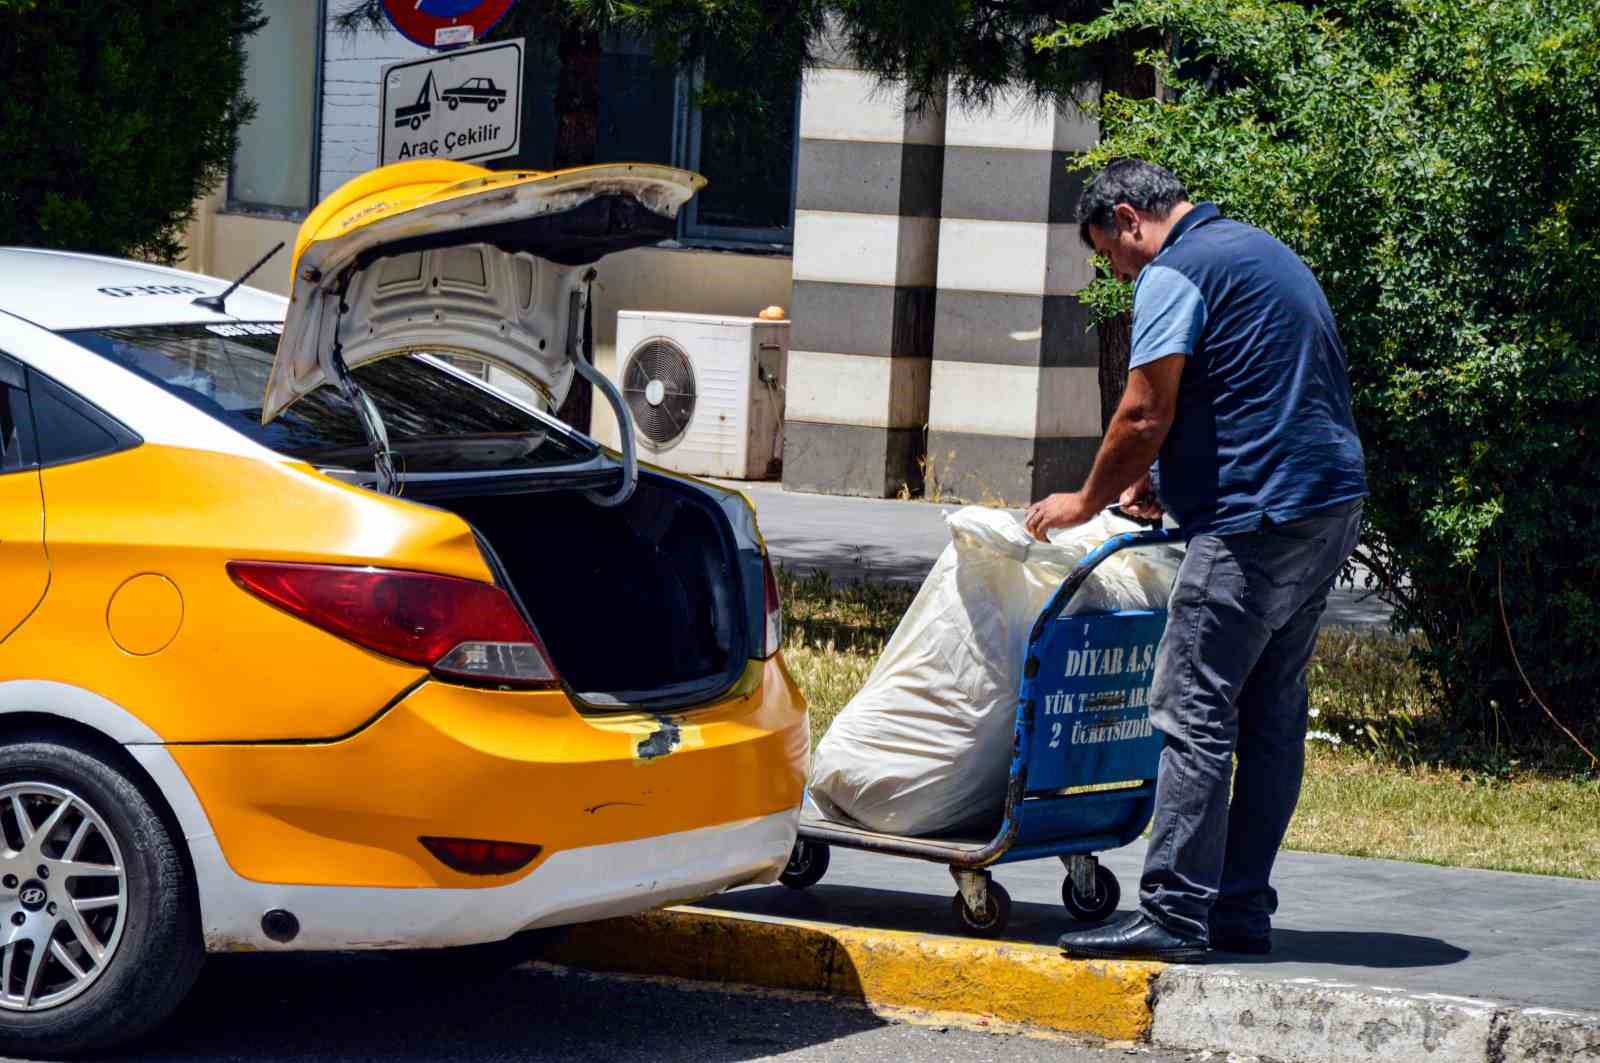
1127	219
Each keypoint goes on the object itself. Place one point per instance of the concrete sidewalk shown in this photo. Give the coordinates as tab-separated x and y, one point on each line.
1488	936
885	539
1374	961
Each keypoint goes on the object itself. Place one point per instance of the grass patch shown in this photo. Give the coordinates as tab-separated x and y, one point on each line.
1533	822
1389	778
833	635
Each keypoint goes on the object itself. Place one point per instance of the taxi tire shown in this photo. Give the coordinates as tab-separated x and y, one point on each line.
162	947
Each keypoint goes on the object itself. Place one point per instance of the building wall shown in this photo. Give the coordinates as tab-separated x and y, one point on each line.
1014	409
865	266
225	244
352	67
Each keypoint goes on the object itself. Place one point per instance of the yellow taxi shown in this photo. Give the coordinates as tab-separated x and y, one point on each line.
310	639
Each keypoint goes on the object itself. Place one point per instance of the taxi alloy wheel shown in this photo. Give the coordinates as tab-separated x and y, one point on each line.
63	896
101	936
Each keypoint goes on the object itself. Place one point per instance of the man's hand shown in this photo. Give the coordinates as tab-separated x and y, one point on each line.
1064	510
1140	500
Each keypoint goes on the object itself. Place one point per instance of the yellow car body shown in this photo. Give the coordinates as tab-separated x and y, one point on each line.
318	763
298	771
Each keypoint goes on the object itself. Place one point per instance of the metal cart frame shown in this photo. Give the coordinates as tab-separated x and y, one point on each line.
1083	763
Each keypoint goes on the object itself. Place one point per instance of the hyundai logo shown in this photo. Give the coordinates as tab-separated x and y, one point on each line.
32	896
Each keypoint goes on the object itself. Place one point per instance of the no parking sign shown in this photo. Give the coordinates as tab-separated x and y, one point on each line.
445	23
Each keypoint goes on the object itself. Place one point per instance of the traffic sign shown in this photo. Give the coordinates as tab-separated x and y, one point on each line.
445	23
462	104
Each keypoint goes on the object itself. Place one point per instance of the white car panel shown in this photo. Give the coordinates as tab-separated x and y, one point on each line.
63	290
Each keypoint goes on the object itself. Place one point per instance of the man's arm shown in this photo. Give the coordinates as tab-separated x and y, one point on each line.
1140	425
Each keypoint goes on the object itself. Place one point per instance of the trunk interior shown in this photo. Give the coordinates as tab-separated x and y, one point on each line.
639	605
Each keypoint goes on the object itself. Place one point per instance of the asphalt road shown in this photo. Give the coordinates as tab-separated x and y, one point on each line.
332	1009
884	539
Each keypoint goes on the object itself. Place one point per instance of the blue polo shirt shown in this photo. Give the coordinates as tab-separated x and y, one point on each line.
1263	432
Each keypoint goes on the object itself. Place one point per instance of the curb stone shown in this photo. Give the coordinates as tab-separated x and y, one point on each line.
1308	1020
1019	984
1539	1035
1196	1009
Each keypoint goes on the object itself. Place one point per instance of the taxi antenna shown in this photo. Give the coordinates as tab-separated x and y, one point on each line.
218	303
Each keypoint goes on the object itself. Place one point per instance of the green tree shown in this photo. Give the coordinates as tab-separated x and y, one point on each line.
1437	164
115	120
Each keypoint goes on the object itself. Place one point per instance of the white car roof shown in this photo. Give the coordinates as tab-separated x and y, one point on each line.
61	290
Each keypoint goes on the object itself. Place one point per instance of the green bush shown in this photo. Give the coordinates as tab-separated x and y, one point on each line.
116	117
1437	164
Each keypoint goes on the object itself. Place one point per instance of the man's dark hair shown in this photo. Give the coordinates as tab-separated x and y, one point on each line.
1142	185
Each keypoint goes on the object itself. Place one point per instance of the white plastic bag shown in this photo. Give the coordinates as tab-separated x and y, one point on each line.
924	747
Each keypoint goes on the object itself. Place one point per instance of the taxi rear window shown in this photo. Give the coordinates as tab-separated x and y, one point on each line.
437	421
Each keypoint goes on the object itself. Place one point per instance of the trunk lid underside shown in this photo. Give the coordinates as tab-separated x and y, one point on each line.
450	258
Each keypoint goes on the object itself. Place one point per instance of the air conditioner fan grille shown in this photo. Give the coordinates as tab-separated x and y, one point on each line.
659	387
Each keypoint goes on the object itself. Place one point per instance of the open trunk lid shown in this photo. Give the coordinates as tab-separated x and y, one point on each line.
445	257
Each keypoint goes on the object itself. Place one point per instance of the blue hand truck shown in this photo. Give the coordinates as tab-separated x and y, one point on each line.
1083	764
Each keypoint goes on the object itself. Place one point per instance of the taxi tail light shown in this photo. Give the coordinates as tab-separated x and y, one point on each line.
474	856
773	638
460	628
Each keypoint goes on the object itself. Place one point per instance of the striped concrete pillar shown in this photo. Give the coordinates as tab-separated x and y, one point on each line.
1015	400
866	246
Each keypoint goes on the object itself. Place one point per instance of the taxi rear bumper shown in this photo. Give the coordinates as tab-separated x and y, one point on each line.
629	812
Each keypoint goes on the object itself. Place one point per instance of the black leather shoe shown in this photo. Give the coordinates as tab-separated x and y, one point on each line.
1242	944
1133	937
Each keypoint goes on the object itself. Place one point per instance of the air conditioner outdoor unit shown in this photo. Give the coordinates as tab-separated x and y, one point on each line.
706	392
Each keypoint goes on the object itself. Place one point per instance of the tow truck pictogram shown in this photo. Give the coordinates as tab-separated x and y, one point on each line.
414	114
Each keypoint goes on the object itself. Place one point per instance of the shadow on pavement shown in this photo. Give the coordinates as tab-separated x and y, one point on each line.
1041	924
335	1008
1353	948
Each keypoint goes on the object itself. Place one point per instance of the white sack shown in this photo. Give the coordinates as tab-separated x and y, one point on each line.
925	746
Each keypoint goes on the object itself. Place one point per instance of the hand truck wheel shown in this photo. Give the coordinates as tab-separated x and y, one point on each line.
808	862
1091	909
994	917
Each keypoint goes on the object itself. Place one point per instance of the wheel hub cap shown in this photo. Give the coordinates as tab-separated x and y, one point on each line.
33	896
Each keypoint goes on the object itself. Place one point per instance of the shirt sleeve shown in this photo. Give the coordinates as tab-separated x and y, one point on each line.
1169	314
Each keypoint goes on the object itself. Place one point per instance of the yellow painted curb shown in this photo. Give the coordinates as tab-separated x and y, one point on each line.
1029	985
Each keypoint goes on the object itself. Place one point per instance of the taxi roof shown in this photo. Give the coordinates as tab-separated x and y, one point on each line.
61	290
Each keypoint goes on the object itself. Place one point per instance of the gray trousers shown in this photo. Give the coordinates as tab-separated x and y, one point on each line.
1230	677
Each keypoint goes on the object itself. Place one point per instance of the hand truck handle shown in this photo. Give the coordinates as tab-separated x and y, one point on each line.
1080	572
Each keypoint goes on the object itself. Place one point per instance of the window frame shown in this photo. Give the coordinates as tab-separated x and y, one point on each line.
277	211
43	385
686	154
18	408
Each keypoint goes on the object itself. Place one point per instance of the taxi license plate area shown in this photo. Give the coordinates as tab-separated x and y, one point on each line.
1091	722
